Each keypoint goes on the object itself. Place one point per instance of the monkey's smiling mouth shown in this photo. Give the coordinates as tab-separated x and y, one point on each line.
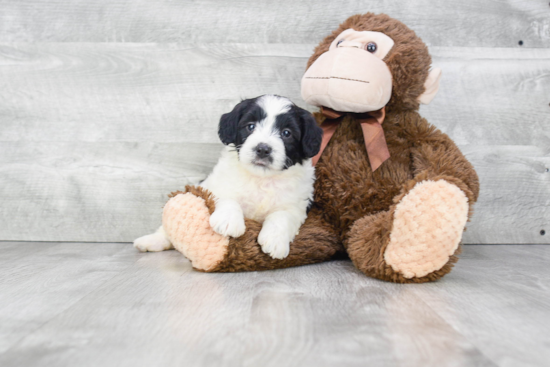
336	77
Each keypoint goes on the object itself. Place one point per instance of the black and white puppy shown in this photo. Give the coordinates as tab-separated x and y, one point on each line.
264	173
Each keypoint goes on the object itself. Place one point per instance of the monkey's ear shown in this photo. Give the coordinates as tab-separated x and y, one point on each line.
431	86
312	134
229	122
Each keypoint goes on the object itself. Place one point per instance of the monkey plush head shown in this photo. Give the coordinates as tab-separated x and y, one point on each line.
369	62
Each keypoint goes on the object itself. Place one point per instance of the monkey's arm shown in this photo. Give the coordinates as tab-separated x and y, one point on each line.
435	157
186	220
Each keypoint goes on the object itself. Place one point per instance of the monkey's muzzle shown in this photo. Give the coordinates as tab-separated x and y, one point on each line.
349	80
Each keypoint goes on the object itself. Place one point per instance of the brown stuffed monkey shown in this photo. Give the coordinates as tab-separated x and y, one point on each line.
392	191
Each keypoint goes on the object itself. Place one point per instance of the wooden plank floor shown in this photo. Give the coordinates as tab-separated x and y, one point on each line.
105	304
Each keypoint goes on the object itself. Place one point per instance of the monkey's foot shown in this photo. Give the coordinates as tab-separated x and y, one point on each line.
427	228
186	221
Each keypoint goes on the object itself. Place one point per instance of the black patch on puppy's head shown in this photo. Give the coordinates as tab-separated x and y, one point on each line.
305	135
232	128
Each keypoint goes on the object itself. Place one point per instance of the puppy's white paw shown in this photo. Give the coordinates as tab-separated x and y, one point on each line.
274	240
153	242
228	220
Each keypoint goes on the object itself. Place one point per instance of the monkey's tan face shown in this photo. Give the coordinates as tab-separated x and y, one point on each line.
351	76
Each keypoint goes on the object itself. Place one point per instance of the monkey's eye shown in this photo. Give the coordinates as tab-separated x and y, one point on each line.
371	47
286	133
250	127
338	44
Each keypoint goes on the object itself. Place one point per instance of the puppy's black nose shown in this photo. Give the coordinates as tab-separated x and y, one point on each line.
263	150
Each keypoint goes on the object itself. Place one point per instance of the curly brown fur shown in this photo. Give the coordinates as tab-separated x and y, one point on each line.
346	187
409	60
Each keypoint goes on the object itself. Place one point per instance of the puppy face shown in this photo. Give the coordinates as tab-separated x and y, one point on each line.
270	133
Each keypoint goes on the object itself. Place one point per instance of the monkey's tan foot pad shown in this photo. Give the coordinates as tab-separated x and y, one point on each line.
427	228
186	221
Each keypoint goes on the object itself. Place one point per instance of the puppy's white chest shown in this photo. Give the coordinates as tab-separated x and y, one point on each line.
262	200
259	196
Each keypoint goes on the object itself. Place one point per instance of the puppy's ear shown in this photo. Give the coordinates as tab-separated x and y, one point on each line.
312	134
229	123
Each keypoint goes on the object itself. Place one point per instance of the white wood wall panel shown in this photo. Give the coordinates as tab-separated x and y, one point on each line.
94	133
464	23
176	93
514	202
129	92
93	191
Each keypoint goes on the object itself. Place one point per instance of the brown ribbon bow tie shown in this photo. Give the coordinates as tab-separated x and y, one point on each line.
371	124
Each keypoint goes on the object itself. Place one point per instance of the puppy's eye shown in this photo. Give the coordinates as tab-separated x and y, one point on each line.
371	47
286	133
250	127
338	43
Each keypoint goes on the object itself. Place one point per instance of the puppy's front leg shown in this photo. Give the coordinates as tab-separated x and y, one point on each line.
278	231
228	218
154	242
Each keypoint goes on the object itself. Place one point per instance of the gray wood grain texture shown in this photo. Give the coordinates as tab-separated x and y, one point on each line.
68	304
46	279
93	191
176	93
440	23
94	135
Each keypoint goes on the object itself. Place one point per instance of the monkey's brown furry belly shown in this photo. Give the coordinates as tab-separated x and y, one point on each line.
346	189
